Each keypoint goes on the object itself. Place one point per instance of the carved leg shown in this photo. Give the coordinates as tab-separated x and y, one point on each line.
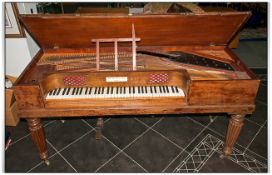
37	133
99	126
235	125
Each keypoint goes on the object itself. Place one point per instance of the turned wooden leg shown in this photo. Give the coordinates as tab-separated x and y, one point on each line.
99	126
37	133
235	125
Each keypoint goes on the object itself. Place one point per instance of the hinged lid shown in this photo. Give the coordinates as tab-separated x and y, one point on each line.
74	31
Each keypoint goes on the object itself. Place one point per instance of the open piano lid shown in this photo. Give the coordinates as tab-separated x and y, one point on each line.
77	31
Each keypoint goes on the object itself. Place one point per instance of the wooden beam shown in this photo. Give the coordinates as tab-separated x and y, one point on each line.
97	56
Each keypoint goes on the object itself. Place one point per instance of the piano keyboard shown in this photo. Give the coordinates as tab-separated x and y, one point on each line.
115	92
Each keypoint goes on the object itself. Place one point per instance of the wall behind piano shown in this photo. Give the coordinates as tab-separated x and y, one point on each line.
20	51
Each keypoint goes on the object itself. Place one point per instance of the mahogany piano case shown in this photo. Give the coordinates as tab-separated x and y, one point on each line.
117	64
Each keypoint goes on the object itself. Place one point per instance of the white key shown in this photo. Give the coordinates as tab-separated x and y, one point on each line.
181	93
149	92
170	91
127	93
105	92
60	96
114	92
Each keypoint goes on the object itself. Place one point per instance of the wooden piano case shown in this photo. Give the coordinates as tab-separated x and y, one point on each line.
205	91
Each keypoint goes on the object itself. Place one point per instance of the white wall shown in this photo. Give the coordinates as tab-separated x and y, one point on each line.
20	51
17	56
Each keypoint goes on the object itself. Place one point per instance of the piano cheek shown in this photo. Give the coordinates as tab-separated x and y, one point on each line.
28	97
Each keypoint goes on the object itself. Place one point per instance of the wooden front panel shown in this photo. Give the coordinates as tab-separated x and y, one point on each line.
28	97
67	31
222	92
134	78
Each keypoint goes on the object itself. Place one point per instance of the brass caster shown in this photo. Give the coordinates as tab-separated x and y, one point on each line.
62	121
47	163
222	156
98	135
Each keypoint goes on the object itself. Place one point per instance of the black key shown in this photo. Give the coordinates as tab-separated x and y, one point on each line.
129	90
142	89
77	90
54	91
139	89
167	90
50	93
90	90
74	90
95	91
111	90
172	89
63	92
68	91
124	92
121	90
103	89
176	89
145	89
160	89
58	91
155	89
108	90
151	90
80	91
86	91
99	89
163	89
117	89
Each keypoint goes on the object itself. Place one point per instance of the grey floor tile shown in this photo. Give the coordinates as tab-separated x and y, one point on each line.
262	94
88	154
217	165
178	129
152	151
149	119
196	140
61	134
247	133
57	165
260	114
202	119
257	156
121	164
121	131
19	131
23	155
171	167
93	120
259	144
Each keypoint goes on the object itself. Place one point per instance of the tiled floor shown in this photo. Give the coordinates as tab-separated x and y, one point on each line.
173	143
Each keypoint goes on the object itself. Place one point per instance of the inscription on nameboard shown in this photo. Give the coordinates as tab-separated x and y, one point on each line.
116	79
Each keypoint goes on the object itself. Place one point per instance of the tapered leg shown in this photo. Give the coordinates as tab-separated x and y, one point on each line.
37	133
99	126
235	125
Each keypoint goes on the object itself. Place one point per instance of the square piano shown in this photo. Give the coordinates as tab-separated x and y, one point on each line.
107	65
